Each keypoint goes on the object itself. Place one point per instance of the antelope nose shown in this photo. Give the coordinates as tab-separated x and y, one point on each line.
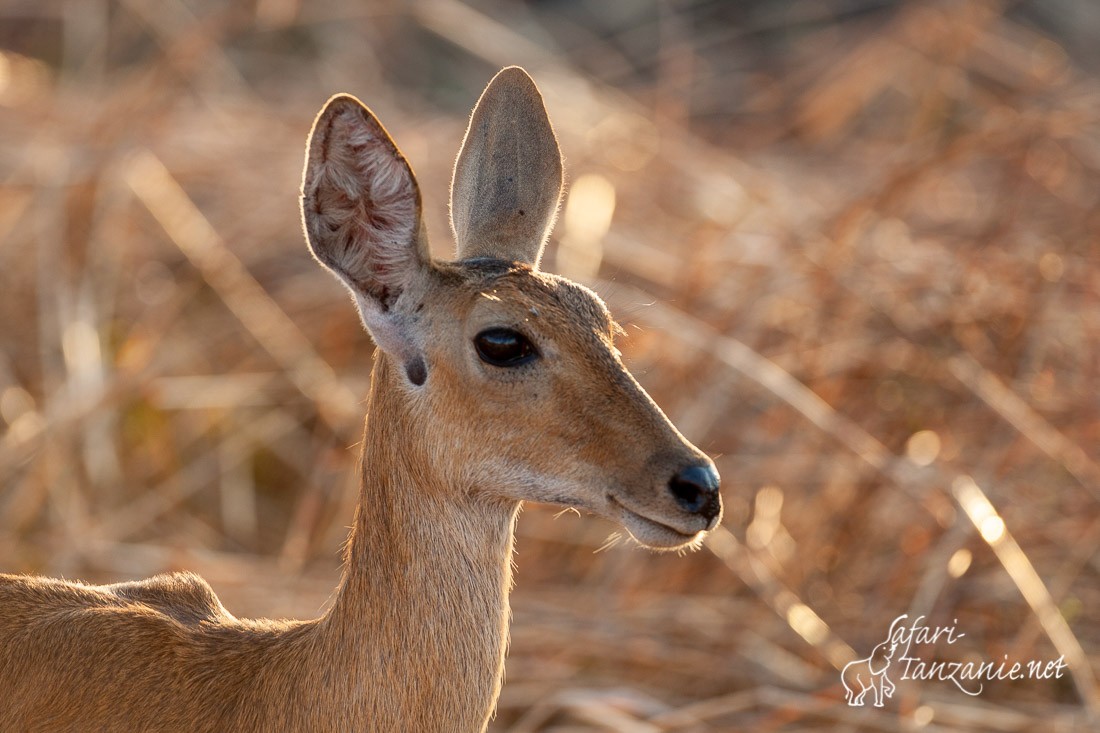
696	491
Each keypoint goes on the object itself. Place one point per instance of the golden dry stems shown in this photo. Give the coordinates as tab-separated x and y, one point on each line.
885	230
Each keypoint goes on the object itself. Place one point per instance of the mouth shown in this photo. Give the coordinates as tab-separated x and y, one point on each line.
651	532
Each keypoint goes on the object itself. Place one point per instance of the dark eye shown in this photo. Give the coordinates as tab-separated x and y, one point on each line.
504	347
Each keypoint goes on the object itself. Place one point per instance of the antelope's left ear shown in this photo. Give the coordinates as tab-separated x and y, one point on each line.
362	216
508	177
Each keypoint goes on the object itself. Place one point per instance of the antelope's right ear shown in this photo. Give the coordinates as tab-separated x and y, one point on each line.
362	215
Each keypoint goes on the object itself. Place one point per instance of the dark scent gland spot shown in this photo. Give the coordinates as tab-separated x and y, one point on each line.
417	371
521	212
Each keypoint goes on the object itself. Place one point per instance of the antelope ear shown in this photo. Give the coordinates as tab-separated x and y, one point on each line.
362	216
508	177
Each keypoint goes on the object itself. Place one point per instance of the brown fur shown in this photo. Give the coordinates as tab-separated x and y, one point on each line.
503	206
415	638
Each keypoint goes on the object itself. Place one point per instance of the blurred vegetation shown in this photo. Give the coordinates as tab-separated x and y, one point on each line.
854	244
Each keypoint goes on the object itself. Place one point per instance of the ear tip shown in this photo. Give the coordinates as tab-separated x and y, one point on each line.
514	77
515	72
342	102
338	105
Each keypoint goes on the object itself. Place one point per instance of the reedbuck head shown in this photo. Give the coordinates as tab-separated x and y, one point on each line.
505	377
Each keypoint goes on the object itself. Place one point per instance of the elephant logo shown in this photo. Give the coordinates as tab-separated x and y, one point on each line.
869	674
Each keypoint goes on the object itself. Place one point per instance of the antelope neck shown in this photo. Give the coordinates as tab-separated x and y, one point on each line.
423	605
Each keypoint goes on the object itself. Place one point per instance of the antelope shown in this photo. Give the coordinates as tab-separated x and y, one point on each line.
493	383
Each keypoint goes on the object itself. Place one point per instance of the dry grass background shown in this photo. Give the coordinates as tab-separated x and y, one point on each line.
854	245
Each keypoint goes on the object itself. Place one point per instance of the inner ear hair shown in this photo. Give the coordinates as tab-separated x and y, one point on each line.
361	212
361	203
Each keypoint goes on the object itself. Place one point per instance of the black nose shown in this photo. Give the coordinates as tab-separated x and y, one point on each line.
696	490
